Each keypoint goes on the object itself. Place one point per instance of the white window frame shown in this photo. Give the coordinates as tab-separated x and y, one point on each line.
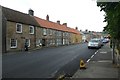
17	26
44	31
32	29
11	42
28	42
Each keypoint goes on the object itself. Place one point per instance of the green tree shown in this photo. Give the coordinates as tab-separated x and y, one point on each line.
112	17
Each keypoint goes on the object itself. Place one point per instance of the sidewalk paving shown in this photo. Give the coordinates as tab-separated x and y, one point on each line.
100	66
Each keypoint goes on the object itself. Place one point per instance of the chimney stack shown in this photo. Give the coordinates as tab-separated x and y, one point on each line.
47	17
58	22
31	12
76	28
65	24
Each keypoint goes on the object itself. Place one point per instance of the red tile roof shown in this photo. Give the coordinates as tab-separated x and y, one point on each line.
56	26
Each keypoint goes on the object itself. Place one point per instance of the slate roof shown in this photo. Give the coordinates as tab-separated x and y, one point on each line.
19	17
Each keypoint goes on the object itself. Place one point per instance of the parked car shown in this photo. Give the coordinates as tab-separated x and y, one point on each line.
106	40
102	42
94	43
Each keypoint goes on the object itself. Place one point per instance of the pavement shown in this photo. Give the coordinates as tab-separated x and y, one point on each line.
99	66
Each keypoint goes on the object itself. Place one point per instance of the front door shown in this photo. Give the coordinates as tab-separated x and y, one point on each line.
43	42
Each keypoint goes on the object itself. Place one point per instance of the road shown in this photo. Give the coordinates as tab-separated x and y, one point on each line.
46	62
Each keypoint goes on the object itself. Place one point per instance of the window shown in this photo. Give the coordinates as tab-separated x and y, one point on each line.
63	33
31	29
44	31
59	33
19	28
50	32
39	42
53	31
66	34
13	43
27	41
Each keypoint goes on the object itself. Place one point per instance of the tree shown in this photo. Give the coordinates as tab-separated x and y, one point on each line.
112	17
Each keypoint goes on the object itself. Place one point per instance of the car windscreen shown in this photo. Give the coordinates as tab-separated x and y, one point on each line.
94	40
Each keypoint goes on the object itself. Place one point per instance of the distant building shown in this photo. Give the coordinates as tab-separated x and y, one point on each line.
87	35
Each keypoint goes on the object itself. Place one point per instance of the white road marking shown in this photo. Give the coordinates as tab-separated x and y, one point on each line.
105	61
92	56
103	52
88	60
95	52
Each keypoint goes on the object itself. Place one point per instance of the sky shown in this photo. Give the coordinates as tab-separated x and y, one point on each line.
83	14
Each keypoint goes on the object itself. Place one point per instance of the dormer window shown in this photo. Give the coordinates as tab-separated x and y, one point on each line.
31	29
18	28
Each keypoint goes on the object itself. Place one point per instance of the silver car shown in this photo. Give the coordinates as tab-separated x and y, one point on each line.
94	43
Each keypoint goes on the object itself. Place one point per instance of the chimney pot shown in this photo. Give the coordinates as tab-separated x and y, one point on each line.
58	22
76	28
65	24
31	12
47	17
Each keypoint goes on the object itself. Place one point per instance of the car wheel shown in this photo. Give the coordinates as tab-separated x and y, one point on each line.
88	47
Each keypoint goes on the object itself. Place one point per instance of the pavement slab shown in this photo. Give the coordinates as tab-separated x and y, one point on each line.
99	66
96	69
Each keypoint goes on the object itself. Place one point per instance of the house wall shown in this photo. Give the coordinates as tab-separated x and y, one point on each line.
79	38
72	38
11	33
46	40
57	37
75	38
3	34
53	39
38	36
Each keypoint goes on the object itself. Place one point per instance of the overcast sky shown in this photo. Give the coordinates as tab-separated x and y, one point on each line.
81	13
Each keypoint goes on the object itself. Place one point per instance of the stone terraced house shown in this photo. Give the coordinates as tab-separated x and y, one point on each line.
21	28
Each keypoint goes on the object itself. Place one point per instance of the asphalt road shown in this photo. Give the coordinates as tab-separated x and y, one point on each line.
46	62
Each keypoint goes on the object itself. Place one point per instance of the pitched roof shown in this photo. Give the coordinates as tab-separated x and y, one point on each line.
19	17
74	30
16	16
56	26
